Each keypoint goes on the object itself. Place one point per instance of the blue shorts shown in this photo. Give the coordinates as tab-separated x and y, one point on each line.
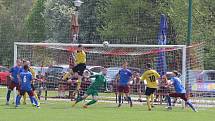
150	91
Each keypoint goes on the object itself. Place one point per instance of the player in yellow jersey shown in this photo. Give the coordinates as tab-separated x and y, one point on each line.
80	66
151	77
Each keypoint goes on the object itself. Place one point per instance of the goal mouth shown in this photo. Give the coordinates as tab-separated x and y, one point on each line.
163	58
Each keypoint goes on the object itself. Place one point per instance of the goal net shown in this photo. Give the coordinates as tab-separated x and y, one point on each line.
53	60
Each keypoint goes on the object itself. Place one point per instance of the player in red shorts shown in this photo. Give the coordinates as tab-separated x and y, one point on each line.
179	91
14	71
25	86
124	76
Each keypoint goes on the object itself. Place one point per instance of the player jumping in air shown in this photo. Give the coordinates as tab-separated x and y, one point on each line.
124	76
180	91
14	71
80	62
100	81
151	76
25	86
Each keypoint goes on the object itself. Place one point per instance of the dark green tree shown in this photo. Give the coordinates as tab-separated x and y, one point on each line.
57	16
35	23
12	18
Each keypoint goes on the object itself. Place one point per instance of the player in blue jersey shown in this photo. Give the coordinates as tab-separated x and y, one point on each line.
124	77
14	83
179	91
25	86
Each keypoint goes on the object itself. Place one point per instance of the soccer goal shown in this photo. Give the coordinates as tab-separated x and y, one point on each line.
58	58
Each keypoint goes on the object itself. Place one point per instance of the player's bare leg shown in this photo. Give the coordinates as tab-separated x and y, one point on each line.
152	100
148	103
24	98
76	92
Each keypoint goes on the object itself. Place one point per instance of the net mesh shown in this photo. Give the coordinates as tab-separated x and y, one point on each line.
200	82
57	59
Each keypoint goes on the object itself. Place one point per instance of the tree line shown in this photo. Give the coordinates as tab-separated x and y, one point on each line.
117	21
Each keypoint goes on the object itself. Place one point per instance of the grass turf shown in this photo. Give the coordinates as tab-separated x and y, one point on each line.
62	111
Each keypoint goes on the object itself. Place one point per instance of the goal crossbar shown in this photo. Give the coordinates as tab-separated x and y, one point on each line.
100	45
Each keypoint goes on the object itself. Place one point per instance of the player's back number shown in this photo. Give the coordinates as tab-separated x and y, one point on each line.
152	78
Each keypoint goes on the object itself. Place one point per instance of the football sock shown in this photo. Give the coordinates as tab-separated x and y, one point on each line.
148	102
119	99
8	95
91	102
168	100
79	99
78	84
35	95
191	105
18	97
34	100
152	99
129	99
24	97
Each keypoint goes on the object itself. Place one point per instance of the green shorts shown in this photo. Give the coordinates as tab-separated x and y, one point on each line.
91	91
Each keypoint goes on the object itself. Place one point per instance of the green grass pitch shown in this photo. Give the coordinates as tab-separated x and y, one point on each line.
62	111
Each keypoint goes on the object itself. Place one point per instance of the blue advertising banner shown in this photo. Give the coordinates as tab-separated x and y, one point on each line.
162	40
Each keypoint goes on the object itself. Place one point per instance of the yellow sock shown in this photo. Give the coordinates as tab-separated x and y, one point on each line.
152	98
148	102
35	94
24	98
78	84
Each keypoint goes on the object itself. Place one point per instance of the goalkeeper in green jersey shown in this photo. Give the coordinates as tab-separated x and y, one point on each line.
100	81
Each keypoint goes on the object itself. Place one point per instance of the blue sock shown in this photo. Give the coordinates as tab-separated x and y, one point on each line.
8	95
168	100
34	100
129	99
18	97
191	105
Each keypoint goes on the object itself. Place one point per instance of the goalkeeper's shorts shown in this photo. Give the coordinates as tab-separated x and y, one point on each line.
91	91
